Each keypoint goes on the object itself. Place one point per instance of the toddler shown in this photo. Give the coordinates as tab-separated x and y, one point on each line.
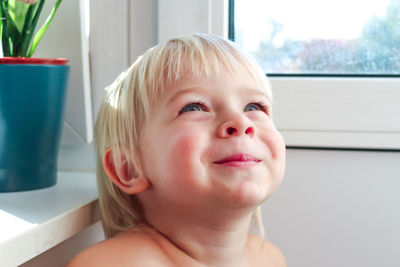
187	151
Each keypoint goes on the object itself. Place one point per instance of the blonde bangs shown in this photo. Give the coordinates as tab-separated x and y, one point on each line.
195	55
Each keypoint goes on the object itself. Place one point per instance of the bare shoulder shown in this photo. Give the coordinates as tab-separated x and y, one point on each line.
265	251
127	249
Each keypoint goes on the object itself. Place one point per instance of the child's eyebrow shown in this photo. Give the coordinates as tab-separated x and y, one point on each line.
258	92
197	90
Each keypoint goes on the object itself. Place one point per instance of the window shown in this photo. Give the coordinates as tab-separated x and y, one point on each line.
321	37
334	68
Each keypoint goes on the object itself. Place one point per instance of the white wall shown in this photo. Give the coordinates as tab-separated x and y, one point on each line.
337	208
118	36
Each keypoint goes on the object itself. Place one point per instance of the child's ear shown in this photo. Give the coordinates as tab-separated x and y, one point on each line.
128	179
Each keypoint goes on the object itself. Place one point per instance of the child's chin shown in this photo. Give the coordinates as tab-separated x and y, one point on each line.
249	195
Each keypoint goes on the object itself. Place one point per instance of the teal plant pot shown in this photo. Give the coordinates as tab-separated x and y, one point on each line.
32	103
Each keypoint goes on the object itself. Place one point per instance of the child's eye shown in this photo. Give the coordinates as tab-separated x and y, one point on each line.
196	106
256	106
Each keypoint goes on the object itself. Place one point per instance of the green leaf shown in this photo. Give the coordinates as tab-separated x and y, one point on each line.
27	32
11	36
42	30
4	33
18	12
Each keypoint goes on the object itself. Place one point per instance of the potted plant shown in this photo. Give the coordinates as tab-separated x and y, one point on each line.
32	99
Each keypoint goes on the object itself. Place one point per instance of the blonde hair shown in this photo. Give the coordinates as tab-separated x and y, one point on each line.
129	99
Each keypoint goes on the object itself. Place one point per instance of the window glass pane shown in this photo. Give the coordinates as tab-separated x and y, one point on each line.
321	36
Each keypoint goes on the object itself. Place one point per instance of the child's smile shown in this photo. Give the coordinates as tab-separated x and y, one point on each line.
238	160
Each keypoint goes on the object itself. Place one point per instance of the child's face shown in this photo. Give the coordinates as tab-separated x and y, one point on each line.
210	142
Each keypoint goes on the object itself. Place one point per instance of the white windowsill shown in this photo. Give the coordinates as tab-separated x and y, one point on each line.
32	222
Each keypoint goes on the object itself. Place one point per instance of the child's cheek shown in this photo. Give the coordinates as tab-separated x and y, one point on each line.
183	144
185	154
274	142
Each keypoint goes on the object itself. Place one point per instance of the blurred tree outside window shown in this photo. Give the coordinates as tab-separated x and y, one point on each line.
344	37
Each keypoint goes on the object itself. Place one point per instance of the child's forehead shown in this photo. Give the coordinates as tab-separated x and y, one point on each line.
192	78
174	69
207	82
193	72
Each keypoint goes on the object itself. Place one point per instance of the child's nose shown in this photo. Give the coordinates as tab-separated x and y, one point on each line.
236	125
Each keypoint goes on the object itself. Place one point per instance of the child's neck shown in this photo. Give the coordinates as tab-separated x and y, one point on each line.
208	243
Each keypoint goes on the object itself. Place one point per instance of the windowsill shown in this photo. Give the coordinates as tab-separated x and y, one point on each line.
32	222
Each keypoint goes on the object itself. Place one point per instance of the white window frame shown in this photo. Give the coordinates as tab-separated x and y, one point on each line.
68	38
359	113
338	112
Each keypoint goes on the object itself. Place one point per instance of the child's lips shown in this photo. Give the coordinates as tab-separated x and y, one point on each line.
238	160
